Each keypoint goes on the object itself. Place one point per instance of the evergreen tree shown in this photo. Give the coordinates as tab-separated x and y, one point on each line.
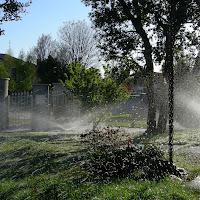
50	71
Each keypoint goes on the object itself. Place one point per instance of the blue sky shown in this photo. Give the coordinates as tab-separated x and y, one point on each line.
42	17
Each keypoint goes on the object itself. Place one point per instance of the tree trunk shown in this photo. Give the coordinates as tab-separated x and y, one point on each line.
163	107
170	80
138	25
169	73
151	117
171	114
162	120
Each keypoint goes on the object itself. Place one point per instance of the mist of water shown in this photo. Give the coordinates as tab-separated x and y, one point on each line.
187	104
78	125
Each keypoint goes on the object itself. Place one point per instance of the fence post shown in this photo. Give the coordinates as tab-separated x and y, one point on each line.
40	118
4	123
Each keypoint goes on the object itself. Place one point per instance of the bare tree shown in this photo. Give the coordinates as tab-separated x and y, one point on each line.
45	46
77	43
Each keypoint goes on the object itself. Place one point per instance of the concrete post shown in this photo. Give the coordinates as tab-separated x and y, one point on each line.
40	118
4	120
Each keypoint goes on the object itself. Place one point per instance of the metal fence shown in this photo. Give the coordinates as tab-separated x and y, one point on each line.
20	109
62	108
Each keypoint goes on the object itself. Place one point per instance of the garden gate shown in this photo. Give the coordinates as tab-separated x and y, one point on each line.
20	109
42	108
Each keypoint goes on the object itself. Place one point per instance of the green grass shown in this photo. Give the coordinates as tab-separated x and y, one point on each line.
182	139
125	120
188	161
18	121
41	166
59	187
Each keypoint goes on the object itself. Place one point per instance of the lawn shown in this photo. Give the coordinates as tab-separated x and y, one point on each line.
47	166
126	120
182	140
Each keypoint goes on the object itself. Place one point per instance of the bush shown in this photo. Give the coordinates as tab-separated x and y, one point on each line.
96	94
111	153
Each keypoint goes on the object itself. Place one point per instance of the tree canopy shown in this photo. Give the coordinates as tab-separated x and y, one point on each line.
77	43
45	46
122	32
10	10
3	71
21	72
50	70
146	31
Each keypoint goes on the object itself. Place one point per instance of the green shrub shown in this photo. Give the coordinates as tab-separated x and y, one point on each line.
96	94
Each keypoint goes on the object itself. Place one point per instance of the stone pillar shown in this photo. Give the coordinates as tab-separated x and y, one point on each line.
4	120
40	118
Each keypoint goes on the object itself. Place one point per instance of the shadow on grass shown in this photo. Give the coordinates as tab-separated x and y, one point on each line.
21	163
28	160
41	138
18	165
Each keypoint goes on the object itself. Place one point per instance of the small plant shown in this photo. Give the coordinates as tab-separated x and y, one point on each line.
112	153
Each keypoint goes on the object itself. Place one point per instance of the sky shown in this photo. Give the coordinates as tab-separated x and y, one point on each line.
42	17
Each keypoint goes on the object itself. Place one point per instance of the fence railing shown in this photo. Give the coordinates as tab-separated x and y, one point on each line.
20	108
62	106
